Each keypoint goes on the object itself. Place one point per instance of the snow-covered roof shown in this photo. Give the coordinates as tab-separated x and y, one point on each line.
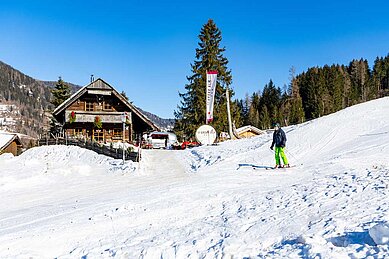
249	128
6	139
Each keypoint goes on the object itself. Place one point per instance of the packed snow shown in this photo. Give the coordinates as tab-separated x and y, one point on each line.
208	202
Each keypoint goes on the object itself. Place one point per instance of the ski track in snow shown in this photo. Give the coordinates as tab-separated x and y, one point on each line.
67	202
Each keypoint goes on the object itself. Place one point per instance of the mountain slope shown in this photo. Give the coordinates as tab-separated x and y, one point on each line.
208	202
23	101
163	124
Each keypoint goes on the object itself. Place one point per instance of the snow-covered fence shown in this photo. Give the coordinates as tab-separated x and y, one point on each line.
116	153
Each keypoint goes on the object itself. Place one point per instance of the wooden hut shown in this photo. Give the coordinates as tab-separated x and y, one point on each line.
95	112
10	143
248	131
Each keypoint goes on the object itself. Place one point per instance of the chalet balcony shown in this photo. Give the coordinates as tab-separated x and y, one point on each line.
89	116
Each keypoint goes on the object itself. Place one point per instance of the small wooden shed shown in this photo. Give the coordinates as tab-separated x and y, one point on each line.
248	131
10	143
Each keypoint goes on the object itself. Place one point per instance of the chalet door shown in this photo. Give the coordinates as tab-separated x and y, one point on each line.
89	134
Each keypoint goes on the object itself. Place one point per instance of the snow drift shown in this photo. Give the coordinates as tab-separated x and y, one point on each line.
208	202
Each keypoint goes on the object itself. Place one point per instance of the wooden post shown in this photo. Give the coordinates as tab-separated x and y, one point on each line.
124	128
229	113
130	129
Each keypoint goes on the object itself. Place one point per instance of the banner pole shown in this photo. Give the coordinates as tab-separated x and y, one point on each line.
206	96
124	129
229	113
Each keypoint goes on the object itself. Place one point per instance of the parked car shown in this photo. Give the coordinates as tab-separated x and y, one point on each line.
162	139
189	144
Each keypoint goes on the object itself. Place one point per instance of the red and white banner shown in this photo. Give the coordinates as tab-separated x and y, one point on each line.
211	88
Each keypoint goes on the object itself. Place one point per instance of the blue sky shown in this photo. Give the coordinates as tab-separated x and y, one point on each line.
146	47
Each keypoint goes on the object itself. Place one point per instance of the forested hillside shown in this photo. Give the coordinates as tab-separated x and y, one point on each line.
51	84
163	124
24	101
316	92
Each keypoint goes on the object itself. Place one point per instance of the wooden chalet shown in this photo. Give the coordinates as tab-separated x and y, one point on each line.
95	112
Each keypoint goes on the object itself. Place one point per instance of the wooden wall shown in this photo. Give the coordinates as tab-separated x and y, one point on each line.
109	132
115	104
247	134
12	148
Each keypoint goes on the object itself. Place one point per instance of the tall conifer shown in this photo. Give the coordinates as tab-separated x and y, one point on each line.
191	111
294	104
253	113
61	92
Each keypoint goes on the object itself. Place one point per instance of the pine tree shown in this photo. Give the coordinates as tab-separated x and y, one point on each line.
380	77
60	93
293	105
310	90
359	75
264	118
271	99
124	95
336	87
346	100
191	111
253	113
245	108
236	113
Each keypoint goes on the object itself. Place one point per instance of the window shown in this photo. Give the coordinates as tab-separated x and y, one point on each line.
107	107
89	106
117	134
98	135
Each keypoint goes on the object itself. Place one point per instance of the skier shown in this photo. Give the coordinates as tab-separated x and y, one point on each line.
279	140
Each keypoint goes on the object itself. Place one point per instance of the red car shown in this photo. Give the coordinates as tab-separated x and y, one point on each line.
189	144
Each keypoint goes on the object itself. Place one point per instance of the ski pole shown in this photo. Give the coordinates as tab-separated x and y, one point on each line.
292	155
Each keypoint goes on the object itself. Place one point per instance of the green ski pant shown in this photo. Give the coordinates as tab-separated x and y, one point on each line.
279	152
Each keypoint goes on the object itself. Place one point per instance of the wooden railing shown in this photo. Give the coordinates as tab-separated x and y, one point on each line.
116	153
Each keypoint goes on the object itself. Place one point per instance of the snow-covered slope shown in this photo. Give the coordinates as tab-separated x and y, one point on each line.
208	202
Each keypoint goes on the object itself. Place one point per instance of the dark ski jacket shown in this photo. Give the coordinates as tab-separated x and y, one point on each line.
279	138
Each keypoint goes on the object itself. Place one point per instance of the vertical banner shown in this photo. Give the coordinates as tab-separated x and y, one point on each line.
211	88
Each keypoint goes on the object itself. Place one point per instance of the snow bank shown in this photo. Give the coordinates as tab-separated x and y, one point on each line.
364	126
41	163
380	233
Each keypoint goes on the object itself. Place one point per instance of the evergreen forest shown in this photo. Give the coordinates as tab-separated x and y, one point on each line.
27	97
316	92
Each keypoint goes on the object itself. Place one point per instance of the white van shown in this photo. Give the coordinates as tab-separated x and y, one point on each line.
162	139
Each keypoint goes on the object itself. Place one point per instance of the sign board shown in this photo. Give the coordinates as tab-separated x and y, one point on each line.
210	92
106	117
206	135
99	92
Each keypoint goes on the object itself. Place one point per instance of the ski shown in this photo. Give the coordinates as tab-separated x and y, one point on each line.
253	166
258	167
275	168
